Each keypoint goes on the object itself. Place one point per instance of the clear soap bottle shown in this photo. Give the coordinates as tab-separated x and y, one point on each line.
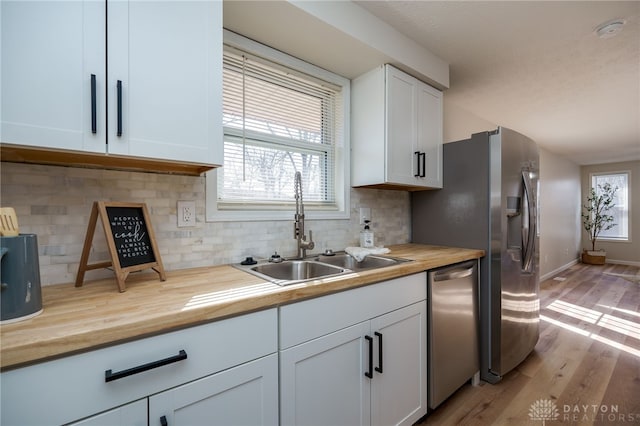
366	236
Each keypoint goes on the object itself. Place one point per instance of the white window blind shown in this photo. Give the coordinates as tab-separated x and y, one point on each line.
277	121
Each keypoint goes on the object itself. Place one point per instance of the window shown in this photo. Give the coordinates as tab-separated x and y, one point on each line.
280	116
620	211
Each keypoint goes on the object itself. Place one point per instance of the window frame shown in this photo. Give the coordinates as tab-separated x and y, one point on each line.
279	210
610	239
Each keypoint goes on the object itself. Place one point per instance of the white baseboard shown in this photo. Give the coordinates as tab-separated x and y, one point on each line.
623	262
558	270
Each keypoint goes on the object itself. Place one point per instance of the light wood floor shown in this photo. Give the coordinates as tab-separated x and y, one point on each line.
586	362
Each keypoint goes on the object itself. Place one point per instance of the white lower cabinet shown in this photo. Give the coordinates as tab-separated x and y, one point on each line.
134	414
399	392
322	381
370	372
203	370
243	395
357	357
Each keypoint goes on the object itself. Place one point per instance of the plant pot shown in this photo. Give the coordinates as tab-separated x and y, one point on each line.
594	257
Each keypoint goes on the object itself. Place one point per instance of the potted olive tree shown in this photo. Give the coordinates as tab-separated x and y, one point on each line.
596	219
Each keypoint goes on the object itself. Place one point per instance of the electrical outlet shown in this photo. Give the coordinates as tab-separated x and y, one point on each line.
186	213
365	214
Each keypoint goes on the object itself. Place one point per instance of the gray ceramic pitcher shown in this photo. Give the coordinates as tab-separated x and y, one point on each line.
20	295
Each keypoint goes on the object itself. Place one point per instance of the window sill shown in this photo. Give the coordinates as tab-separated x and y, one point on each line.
613	240
214	215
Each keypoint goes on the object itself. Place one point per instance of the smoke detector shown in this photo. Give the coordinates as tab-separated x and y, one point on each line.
610	28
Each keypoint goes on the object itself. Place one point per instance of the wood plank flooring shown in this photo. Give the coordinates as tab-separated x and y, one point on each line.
586	364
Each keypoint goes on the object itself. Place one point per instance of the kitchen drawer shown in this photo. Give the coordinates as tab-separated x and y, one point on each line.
74	387
303	321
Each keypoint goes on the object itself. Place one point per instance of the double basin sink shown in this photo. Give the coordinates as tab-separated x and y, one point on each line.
289	272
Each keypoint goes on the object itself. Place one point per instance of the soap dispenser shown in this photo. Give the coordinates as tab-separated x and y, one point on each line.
366	236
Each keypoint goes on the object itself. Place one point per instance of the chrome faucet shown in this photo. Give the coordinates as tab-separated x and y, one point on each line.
298	226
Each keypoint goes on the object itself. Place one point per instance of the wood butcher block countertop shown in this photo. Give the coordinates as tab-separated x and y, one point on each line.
97	315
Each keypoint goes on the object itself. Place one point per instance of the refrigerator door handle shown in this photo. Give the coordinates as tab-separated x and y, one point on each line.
528	228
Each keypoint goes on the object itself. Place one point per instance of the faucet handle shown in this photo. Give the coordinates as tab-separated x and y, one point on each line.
311	244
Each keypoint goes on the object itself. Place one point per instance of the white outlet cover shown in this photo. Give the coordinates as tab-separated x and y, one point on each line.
186	212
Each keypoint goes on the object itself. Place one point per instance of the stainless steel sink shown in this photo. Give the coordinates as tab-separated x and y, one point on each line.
297	270
290	272
346	261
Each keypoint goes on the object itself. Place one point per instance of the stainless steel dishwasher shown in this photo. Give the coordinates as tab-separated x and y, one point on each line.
453	329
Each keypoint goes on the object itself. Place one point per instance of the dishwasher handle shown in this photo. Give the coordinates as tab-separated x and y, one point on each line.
454	273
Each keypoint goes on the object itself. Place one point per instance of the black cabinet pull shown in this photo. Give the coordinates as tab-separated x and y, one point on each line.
163	421
109	376
94	106
417	154
424	164
379	367
369	373
119	101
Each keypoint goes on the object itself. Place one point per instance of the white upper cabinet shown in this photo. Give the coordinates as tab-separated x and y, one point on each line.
50	50
396	131
167	56
138	79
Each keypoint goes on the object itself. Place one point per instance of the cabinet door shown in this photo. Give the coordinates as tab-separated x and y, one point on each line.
167	56
322	381
50	49
243	395
134	414
401	127
399	391
430	134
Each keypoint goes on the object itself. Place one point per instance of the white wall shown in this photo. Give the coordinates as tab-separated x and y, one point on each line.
460	124
559	213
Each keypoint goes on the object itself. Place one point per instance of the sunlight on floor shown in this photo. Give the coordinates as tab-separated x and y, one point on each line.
626	311
598	319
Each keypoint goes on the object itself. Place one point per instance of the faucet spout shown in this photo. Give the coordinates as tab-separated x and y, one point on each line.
298	225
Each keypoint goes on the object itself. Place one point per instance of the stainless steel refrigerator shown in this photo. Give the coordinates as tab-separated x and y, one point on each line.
489	201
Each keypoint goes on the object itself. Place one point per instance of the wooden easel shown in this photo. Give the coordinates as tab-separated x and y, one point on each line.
120	243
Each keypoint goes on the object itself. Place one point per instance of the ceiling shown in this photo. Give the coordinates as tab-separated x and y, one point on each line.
533	66
537	67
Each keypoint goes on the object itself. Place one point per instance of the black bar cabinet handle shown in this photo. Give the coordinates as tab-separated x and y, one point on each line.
119	92
109	376
379	367
424	164
369	373
417	154
94	106
163	421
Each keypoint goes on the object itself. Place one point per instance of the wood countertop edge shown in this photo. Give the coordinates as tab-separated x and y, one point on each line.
27	347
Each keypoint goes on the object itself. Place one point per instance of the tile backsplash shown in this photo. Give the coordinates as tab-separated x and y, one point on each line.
54	203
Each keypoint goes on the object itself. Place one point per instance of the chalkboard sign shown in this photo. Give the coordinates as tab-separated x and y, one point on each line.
130	238
130	235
